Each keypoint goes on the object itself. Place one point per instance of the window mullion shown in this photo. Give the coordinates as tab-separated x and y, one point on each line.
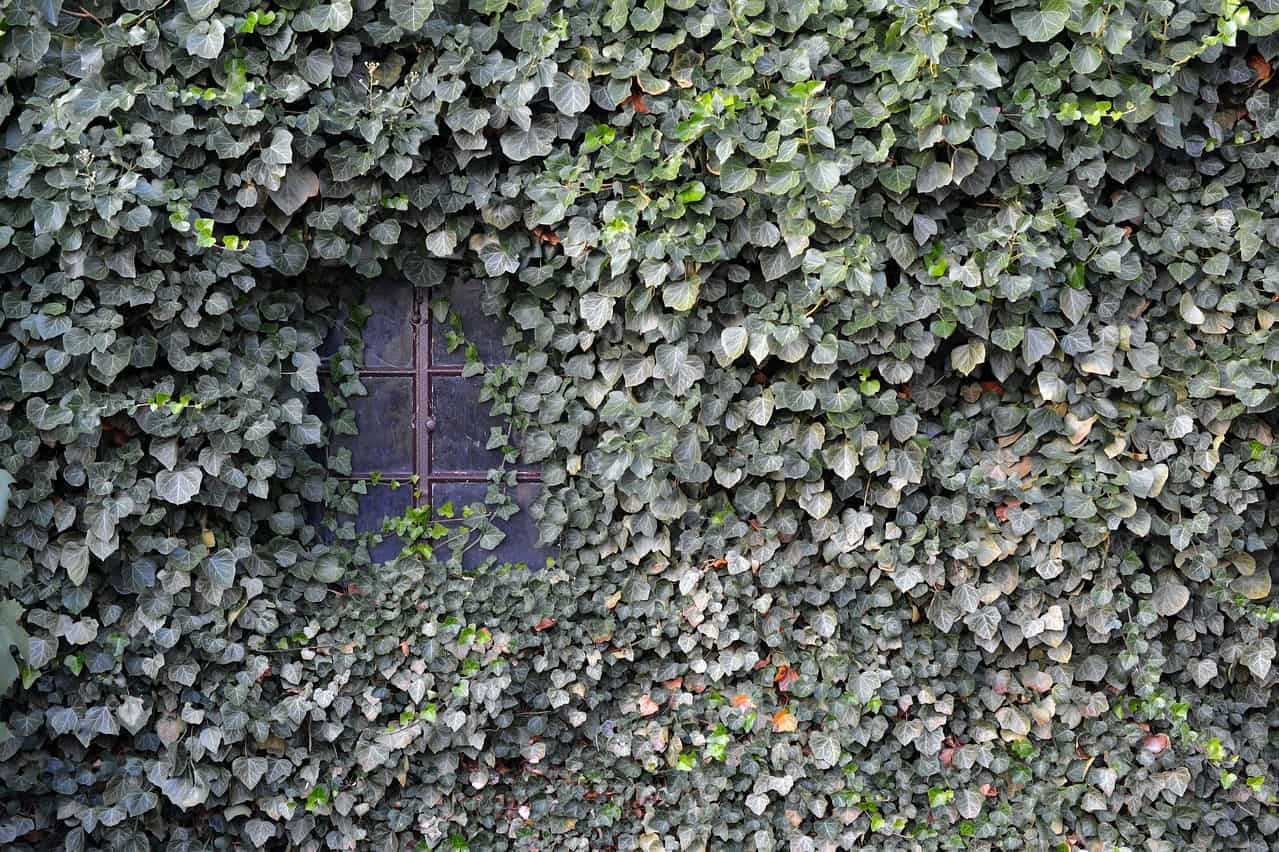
422	393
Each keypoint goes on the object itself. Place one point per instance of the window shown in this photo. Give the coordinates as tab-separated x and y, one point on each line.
422	417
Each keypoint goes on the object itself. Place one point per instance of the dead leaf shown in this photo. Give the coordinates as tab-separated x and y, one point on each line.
785	722
1079	428
545	624
785	678
1260	67
1001	511
742	701
636	102
648	706
546	235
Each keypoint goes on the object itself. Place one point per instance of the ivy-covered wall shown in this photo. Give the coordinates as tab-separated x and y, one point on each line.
902	375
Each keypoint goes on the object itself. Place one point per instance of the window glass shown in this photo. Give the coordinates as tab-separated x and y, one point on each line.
423	418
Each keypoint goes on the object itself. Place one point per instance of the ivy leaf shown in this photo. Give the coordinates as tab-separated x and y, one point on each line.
570	96
205	39
75	560
1038	343
12	636
1044	23
299	185
324	17
968	357
596	310
823	175
842	458
411	15
249	771
133	714
680	295
520	144
733	341
6	486
1170	597
898	179
678	368
280	151
220	569
178	486
825	749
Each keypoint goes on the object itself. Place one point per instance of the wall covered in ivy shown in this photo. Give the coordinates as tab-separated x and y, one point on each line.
902	376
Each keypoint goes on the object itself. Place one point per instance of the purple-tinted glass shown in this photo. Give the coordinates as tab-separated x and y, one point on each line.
462	426
380	503
385	420
520	544
387	335
478	327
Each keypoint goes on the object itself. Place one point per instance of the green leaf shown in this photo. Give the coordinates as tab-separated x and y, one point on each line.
220	569
324	17
680	295
520	145
842	458
596	310
968	357
898	179
75	560
12	637
411	15
6	486
178	486
205	39
1045	23
733	341
1170	597
570	96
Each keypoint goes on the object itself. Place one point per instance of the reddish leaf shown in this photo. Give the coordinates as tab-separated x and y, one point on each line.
785	678
1001	511
784	721
647	706
636	102
546	235
1260	67
545	624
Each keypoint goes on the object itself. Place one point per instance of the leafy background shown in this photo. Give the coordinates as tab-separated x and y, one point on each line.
902	375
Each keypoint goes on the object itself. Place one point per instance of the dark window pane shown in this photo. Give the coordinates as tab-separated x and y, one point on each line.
520	544
477	327
462	425
380	503
388	335
385	421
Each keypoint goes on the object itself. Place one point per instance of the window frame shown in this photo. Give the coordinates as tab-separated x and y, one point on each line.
423	372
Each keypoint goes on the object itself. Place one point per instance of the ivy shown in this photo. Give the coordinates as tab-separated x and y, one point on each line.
901	375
